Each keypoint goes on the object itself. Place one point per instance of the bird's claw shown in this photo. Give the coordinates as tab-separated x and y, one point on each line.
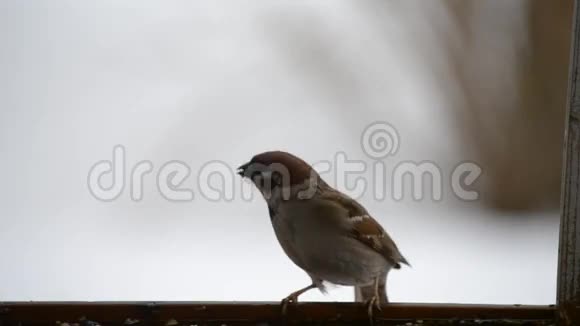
372	303
288	300
378	305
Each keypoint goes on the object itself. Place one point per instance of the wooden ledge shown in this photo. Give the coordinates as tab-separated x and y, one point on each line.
266	313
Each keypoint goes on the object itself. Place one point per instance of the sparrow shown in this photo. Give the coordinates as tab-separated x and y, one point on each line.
326	233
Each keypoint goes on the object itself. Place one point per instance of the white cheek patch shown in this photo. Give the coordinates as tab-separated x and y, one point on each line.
267	174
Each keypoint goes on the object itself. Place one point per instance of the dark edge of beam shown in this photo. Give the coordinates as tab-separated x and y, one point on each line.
568	297
575	115
167	313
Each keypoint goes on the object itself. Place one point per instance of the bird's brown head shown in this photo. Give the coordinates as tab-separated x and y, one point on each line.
277	169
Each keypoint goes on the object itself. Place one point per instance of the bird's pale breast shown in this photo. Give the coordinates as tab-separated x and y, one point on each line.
323	252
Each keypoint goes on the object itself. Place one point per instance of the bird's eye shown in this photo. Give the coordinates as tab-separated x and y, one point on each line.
256	175
277	178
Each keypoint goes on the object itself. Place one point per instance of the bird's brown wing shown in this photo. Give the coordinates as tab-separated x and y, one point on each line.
362	227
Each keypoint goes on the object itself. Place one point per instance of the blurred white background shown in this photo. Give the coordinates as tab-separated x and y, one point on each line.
198	81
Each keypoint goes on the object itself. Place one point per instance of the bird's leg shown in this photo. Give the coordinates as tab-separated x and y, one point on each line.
374	301
293	297
377	295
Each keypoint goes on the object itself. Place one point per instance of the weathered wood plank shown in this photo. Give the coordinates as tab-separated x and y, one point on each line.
569	253
574	70
182	313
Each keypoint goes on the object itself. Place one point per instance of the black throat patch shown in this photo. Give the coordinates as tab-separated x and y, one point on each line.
271	211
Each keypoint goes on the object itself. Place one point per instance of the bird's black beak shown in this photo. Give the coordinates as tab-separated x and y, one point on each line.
242	169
